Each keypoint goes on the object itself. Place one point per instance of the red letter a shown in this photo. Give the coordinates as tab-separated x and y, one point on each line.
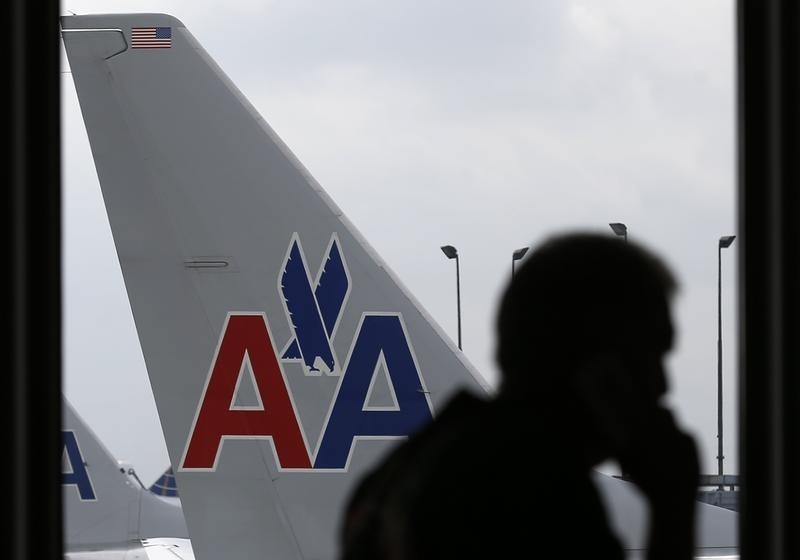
245	336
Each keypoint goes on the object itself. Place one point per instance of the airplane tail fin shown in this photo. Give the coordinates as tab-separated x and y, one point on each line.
100	503
285	357
165	486
103	506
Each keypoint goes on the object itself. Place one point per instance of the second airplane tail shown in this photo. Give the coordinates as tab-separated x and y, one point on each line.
103	507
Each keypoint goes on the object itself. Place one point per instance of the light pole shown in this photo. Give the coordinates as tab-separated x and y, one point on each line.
620	230
452	253
515	256
724	243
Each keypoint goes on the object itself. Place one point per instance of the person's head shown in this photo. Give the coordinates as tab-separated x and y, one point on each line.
579	300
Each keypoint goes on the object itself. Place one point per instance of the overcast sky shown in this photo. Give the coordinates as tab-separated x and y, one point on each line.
485	125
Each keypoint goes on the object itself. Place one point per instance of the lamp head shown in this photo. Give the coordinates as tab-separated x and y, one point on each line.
450	251
619	229
519	253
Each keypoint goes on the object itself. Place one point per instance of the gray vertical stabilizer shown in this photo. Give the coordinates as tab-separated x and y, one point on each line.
104	508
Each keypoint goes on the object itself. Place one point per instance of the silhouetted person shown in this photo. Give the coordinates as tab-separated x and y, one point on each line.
582	334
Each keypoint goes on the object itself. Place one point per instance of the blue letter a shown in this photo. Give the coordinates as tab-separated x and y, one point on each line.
379	335
76	473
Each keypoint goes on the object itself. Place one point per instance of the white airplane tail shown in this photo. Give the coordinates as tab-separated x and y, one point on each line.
103	507
283	354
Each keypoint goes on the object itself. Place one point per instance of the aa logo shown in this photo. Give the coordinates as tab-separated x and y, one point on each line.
313	309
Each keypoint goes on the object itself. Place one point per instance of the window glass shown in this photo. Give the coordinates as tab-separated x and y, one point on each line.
485	126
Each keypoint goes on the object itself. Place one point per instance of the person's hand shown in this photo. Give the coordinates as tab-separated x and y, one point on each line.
662	461
667	472
654	453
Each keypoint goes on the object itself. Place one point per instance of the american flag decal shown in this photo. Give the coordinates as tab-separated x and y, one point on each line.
151	37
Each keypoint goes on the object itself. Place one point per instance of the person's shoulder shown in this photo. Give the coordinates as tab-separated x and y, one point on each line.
460	409
460	414
403	469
